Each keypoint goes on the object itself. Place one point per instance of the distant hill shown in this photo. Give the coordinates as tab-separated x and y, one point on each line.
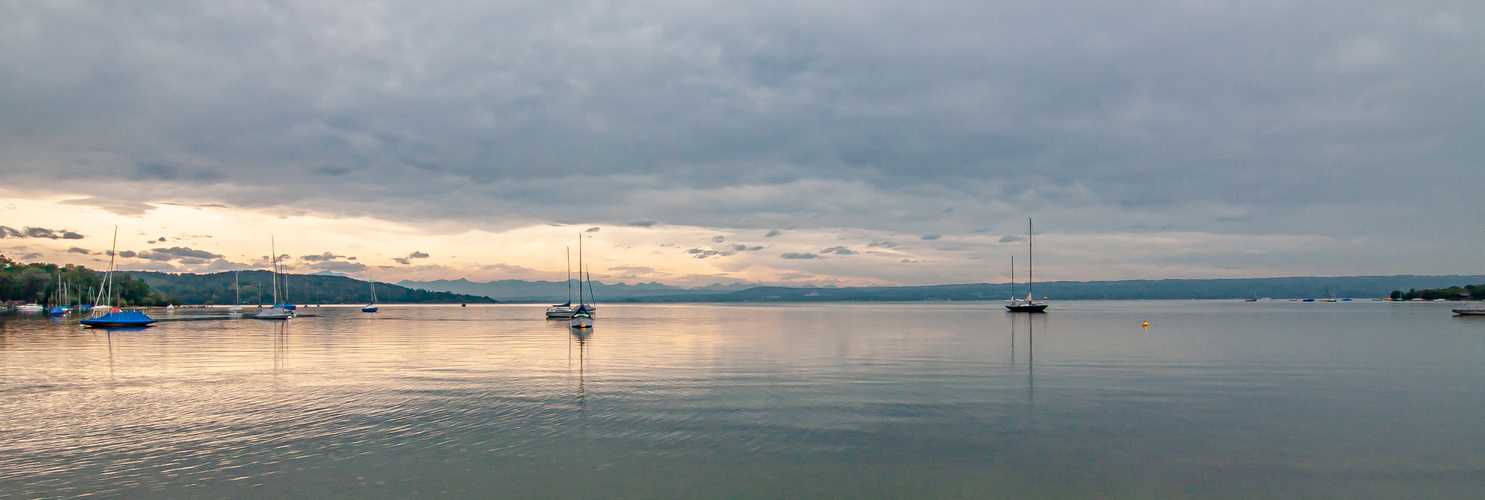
556	291
1295	287
216	288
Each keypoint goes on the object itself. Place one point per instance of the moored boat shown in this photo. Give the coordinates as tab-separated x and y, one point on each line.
115	318
1027	305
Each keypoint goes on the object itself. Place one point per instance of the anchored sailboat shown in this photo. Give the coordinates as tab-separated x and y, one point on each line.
1027	305
115	318
582	317
278	311
565	309
371	308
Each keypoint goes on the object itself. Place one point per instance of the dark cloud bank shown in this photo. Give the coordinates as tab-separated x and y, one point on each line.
1296	118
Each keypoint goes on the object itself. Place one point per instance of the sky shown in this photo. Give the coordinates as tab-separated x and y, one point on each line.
801	142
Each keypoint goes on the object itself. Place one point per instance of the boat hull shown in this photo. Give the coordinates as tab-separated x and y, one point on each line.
274	313
1026	308
1470	312
119	320
368	309
581	322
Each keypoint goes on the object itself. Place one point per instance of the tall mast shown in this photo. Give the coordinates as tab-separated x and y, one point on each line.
1013	277
569	276
237	286
580	269
273	247
108	278
1030	265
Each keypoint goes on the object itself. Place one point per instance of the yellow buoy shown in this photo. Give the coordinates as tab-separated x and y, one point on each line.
1147	324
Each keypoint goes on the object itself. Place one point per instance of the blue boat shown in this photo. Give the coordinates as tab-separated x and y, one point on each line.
115	317
121	319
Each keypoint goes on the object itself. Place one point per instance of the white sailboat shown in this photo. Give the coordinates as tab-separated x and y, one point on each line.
277	311
371	308
582	318
1027	305
564	310
236	310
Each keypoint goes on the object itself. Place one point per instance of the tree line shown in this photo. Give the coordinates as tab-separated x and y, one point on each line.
37	282
1467	292
256	287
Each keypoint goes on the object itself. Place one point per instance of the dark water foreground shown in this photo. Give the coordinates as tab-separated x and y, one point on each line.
1214	400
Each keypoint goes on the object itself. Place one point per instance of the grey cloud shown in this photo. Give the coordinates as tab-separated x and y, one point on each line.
702	253
797	255
744	248
173	253
718	239
324	257
1096	116
881	244
772	233
128	254
39	232
82	251
640	223
31	256
839	250
931	236
407	260
1012	238
338	266
591	230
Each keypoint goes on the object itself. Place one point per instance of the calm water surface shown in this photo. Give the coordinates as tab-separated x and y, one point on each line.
1213	400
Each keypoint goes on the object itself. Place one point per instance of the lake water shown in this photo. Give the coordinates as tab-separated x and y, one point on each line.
888	400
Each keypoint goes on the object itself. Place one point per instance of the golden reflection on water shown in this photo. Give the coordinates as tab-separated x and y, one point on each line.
415	397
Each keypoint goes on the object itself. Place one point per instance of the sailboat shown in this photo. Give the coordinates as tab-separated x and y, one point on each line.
371	308
565	309
61	308
583	317
1027	305
115	317
277	311
236	310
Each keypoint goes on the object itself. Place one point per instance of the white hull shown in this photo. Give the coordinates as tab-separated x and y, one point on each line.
560	312
30	308
275	313
581	322
1470	312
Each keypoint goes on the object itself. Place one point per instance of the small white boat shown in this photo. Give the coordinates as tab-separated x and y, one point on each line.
274	313
278	311
371	308
1473	309
30	308
581	320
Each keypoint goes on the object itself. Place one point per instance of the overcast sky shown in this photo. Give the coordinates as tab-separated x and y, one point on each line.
859	142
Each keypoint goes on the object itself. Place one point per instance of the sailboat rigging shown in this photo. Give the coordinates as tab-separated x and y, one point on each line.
371	308
115	317
278	311
583	316
1027	305
564	310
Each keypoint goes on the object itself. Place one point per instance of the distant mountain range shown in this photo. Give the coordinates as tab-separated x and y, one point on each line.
556	291
1295	287
216	288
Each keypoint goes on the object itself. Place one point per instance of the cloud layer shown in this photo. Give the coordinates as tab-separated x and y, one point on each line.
930	121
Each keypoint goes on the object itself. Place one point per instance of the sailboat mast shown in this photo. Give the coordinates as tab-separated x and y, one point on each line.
108	278
1030	265
273	247
1013	277
237	286
569	276
580	269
